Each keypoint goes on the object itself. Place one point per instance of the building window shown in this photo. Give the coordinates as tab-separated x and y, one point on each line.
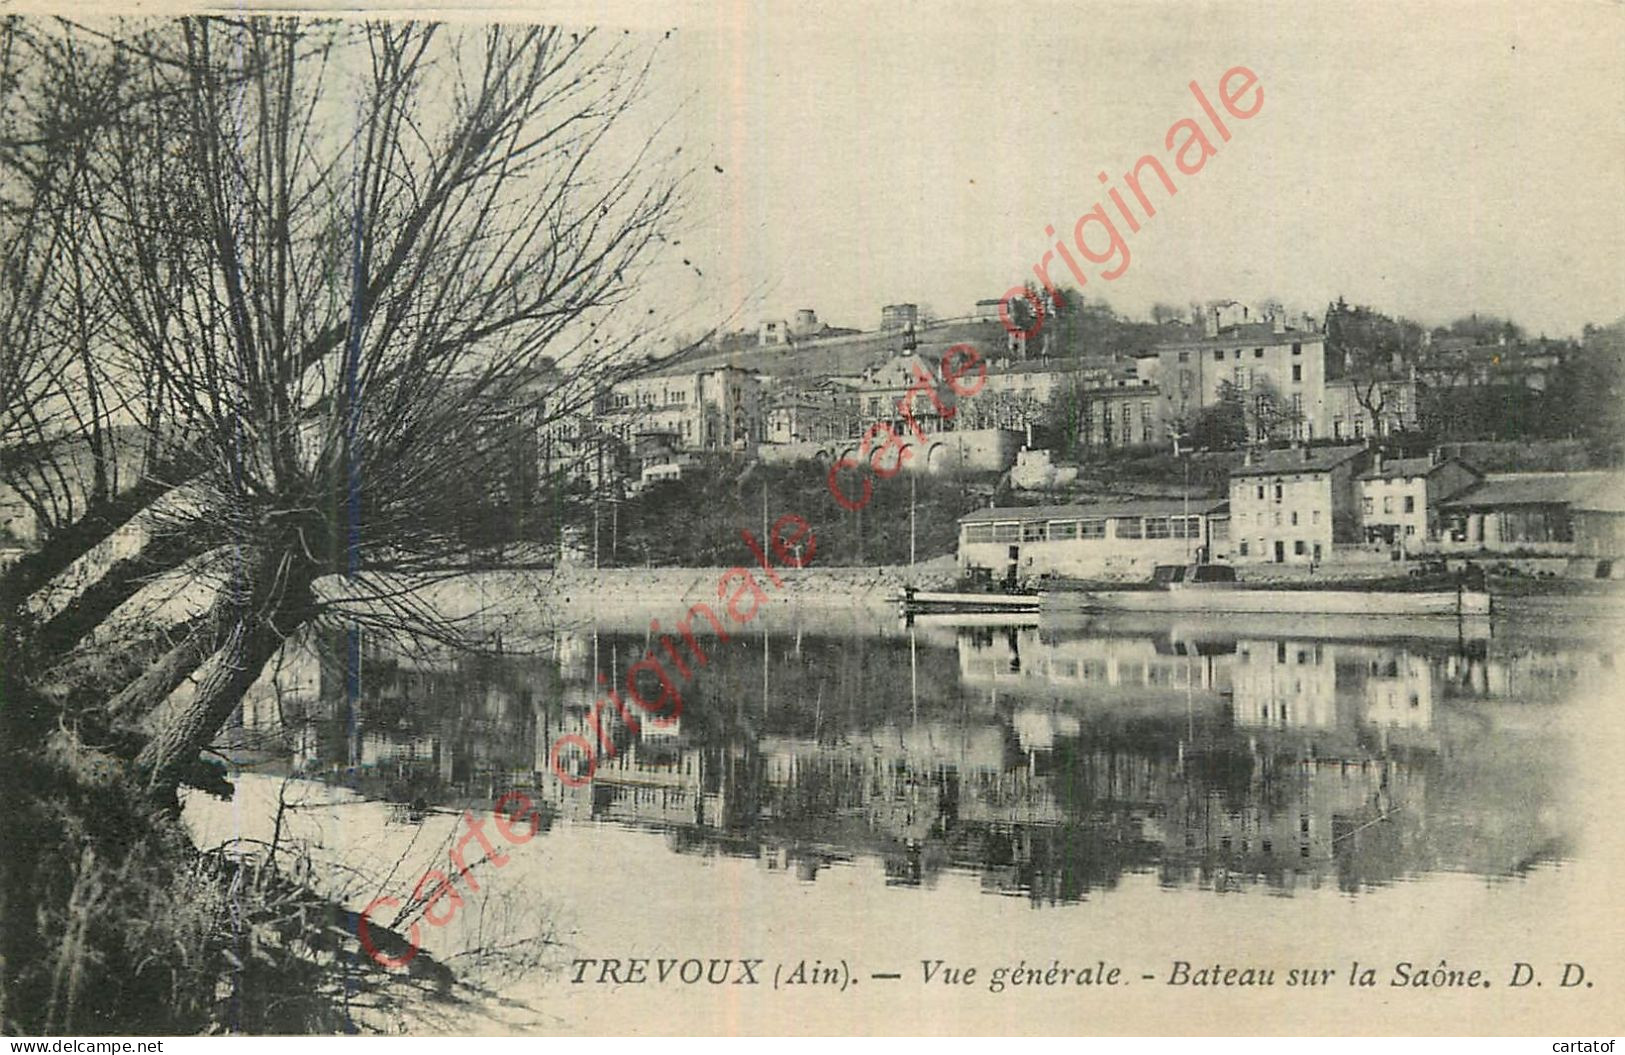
1007	532
1145	421
1368	506
1294	519
1091	529
978	533
1277	518
1243	549
1387	503
1062	529
1410	529
1258	353
1129	527
1277	492
1410	504
1297	348
1184	357
1034	532
1218	355
1260	492
1314	516
1297	547
1156	527
1297	371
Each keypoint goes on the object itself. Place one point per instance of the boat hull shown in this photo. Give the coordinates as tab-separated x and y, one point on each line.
915	602
1270	602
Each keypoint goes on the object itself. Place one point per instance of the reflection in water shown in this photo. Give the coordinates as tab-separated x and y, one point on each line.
1049	762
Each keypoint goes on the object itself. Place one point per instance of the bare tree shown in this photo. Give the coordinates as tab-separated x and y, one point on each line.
351	268
293	303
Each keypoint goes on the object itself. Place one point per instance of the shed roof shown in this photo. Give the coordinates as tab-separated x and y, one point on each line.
1600	491
1138	507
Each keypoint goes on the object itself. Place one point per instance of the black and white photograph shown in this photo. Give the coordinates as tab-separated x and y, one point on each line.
962	518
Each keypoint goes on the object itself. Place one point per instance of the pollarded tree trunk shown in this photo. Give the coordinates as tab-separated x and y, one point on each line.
200	640
261	611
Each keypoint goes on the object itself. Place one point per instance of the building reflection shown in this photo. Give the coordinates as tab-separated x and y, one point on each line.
1049	763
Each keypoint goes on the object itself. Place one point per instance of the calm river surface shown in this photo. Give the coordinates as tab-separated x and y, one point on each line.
1122	790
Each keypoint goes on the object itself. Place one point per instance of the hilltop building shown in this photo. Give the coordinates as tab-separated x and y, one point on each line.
1280	375
715	409
895	317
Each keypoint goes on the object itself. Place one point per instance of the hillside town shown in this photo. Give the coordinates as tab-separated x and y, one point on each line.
1316	451
1097	446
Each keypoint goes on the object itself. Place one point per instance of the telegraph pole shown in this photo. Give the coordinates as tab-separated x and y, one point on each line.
911	493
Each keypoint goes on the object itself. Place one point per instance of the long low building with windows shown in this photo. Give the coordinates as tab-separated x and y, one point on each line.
1097	540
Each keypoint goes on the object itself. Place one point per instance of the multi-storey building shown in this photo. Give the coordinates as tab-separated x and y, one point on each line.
716	408
811	413
1279	374
1400	497
884	391
1290	506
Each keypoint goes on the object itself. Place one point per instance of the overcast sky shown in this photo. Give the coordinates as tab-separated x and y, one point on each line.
1430	160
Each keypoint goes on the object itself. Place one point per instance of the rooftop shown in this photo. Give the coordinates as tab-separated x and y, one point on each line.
1405	468
845	355
1297	460
1600	491
1150	507
1255	333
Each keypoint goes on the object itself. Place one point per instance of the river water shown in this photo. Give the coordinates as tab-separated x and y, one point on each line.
872	797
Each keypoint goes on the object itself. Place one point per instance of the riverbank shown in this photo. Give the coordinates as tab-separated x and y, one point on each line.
520	602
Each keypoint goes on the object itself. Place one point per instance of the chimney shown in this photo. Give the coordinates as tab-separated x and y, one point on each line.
1210	322
1247	457
1376	461
1278	322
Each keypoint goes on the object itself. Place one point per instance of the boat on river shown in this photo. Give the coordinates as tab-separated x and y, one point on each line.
1204	589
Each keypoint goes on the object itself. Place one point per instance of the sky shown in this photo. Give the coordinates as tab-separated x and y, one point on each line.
1430	160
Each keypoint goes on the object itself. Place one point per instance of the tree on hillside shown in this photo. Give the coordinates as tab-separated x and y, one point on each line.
1370	349
1068	420
1221	425
1162	313
1586	393
1270	415
1486	329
